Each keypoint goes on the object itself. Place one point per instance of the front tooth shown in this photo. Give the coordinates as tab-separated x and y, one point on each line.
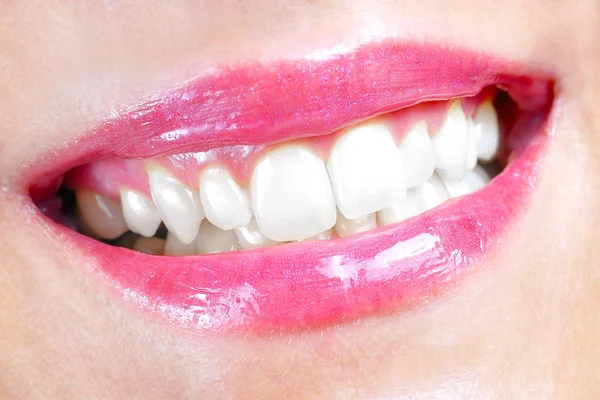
409	207
417	154
431	193
250	236
487	131
175	247
451	144
477	178
153	245
346	227
177	204
100	215
139	213
225	204
291	195
471	145
366	170
215	240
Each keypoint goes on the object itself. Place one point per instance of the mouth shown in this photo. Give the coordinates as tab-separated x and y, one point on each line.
304	193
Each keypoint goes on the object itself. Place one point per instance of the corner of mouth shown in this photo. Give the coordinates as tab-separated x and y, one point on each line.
303	193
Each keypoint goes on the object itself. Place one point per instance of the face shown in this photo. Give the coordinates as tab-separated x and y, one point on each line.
293	199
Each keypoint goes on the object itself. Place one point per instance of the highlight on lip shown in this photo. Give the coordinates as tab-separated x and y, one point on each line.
389	207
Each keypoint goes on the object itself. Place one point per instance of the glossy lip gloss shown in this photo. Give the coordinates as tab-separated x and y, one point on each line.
312	284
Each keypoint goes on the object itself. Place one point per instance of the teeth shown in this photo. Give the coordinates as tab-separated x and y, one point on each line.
225	204
418	155
458	188
153	245
100	215
177	204
471	145
451	144
291	195
409	207
431	193
477	179
175	247
250	236
139	213
487	131
215	240
366	170
346	227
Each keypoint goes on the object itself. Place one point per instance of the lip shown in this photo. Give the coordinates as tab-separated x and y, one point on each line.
311	284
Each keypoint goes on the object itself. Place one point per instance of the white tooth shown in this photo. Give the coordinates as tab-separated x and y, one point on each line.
471	145
346	227
175	247
326	235
409	207
178	205
139	212
153	245
225	204
477	179
458	188
487	131
291	195
431	193
417	154
215	240
250	236
100	215
451	144
366	170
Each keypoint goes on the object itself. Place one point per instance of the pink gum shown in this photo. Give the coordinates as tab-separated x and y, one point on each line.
108	176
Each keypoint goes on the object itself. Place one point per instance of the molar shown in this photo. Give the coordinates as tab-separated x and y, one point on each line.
139	213
366	170
178	205
225	204
100	215
291	195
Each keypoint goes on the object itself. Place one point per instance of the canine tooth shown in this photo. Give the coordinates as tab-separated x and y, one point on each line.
100	215
366	170
250	236
477	179
431	193
215	240
177	204
471	145
152	245
417	154
291	195
139	213
225	204
458	188
407	208
487	131
175	247
451	144
346	227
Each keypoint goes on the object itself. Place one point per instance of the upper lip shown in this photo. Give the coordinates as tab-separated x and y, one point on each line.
255	104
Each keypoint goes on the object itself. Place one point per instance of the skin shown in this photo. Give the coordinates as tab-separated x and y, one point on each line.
524	325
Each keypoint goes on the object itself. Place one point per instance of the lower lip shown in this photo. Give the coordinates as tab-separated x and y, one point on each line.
315	284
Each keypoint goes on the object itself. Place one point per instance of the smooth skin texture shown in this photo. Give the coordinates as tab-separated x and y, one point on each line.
526	325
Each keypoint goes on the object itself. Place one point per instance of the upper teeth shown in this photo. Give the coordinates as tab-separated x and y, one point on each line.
368	178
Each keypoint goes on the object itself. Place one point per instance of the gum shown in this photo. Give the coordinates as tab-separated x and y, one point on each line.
108	176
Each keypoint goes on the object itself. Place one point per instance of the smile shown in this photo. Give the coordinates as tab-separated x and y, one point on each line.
304	193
